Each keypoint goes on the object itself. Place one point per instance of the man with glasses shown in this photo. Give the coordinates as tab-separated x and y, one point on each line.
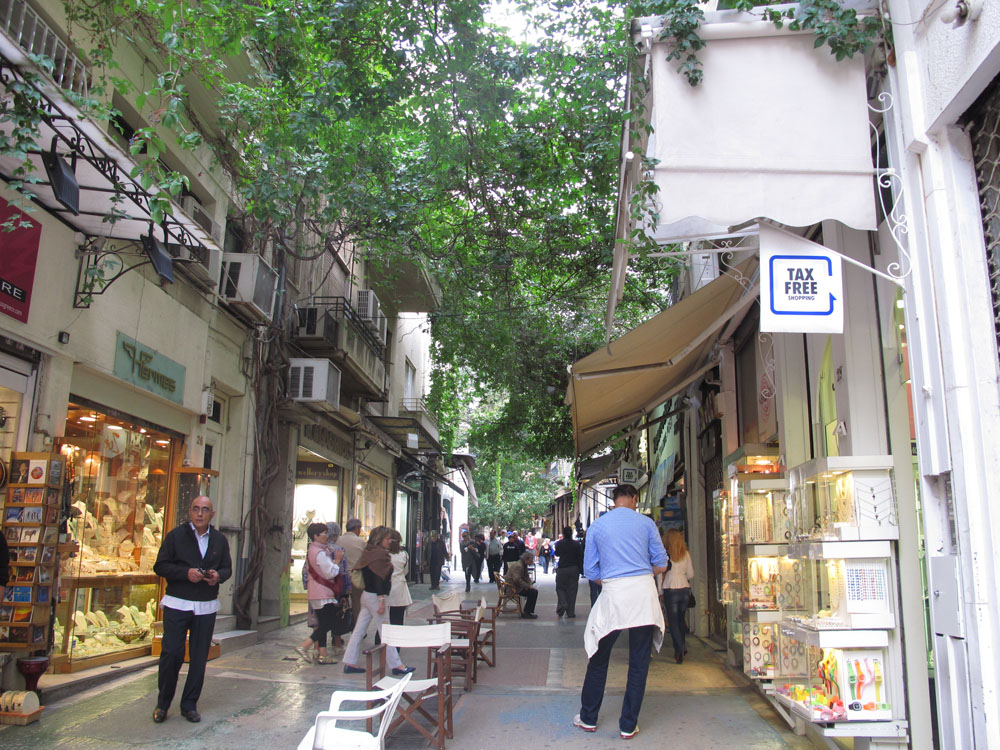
194	559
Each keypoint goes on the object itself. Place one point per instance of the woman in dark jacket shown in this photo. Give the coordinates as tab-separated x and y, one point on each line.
570	554
438	555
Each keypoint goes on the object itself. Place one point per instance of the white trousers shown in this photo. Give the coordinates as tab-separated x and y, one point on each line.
369	613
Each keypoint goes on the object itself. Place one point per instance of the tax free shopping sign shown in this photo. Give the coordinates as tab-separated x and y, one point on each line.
801	285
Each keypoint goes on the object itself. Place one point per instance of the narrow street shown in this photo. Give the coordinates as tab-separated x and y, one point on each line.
263	696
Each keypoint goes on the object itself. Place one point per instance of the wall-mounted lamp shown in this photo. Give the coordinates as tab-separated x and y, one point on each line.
962	11
62	179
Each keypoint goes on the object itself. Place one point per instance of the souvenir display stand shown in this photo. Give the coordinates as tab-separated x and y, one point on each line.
31	527
838	662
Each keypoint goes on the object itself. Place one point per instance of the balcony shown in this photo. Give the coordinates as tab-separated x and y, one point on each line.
29	32
416	408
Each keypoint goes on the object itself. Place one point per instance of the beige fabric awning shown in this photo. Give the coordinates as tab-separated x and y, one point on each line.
618	384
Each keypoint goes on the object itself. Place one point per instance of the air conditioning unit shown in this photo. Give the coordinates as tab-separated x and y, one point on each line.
248	284
201	264
201	217
314	382
369	308
315	327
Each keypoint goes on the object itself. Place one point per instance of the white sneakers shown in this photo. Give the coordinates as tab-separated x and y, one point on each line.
578	722
629	735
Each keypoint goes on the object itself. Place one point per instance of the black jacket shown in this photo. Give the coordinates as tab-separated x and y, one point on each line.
179	552
512	550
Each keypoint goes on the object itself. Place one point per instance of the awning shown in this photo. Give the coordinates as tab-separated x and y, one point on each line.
778	128
635	373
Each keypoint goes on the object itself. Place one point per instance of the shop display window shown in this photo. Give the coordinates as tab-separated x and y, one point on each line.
759	650
760	583
790	585
119	476
370	499
844	498
845	594
767	517
316	500
843	684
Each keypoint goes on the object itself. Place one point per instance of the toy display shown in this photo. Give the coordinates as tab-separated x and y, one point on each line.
845	685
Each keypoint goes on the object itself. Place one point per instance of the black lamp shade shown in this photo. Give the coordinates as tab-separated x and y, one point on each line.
64	185
157	253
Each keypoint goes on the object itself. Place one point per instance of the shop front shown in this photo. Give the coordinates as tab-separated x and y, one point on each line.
317	499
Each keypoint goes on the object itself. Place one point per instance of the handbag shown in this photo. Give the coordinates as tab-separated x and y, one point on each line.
334	584
691	600
343	617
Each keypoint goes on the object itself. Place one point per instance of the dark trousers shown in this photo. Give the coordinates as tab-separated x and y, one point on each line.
396	615
493	563
530	596
640	644
567	584
177	624
324	617
435	575
675	601
595	591
545	562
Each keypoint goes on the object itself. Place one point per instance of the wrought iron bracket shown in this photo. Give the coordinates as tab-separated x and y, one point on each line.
100	268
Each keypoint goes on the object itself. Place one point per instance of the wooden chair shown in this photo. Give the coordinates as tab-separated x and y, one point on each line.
428	704
326	735
449	606
464	646
507	594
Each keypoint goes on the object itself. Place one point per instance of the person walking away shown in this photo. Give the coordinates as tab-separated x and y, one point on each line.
677	590
494	560
375	565
354	546
438	552
513	548
531	545
570	555
480	556
517	575
193	559
323	589
399	594
623	554
469	561
545	554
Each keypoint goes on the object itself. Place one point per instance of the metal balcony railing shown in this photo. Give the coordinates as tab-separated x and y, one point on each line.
416	405
34	36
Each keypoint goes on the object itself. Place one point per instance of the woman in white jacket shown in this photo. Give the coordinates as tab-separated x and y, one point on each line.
677	590
399	594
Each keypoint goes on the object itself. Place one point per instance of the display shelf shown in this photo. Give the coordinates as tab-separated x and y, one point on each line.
765	550
764	616
845	550
834	638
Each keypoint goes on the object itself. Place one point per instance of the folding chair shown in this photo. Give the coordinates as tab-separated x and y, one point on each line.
507	594
326	735
449	606
433	693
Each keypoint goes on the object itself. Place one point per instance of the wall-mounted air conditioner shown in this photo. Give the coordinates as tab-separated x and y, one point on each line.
248	284
315	327
201	264
201	217
314	382
369	308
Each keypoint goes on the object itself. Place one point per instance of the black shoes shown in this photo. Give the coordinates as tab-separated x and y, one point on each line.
679	657
529	616
559	611
193	716
159	715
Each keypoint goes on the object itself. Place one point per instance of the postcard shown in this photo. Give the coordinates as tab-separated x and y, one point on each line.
32	515
27	554
51	515
18	594
36	471
55	473
14	515
6	612
12	534
19	471
42	594
44	575
5	634
14	553
52	497
50	535
22	613
37	633
16	495
34	495
29	535
24	575
47	554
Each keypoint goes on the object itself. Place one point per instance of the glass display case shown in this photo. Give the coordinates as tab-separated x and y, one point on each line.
759	649
844	498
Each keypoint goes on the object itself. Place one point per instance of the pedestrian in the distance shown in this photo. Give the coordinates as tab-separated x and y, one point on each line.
470	559
570	555
436	554
324	589
677	591
494	559
353	546
480	556
623	554
193	559
545	554
513	548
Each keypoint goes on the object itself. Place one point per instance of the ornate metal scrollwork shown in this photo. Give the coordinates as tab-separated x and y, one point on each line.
889	180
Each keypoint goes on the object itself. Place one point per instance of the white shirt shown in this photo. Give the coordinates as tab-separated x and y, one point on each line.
186	605
628	602
680	574
399	594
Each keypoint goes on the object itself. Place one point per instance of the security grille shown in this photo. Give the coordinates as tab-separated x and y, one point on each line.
984	129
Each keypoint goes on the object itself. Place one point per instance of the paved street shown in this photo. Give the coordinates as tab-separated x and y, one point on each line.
263	696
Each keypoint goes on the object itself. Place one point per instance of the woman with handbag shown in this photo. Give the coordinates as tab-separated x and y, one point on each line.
677	590
324	588
376	567
399	594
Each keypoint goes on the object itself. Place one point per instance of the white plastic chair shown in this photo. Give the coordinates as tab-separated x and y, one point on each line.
326	735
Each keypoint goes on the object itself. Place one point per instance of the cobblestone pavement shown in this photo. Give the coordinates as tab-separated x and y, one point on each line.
264	696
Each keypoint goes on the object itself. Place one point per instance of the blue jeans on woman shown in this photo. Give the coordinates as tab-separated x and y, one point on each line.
675	601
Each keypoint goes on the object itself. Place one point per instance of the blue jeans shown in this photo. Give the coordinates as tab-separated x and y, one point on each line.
640	645
675	601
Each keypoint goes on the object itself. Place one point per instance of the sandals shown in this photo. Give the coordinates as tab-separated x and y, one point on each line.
327	660
304	654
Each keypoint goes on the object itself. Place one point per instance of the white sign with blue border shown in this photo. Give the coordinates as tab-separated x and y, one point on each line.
801	285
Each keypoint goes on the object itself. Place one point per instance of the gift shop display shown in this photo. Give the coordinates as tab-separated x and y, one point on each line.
120	476
31	527
843	685
844	498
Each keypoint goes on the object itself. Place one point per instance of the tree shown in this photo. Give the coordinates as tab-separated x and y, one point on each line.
512	492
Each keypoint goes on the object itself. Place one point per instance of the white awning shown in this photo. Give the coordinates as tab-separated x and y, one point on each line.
618	384
777	129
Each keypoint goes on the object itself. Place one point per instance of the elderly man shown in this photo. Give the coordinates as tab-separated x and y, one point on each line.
623	554
353	546
194	559
517	575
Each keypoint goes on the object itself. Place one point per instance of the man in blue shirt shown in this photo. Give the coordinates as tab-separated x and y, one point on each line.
623	553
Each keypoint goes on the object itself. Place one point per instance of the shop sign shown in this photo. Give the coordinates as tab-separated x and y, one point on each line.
148	369
802	287
316	471
18	257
